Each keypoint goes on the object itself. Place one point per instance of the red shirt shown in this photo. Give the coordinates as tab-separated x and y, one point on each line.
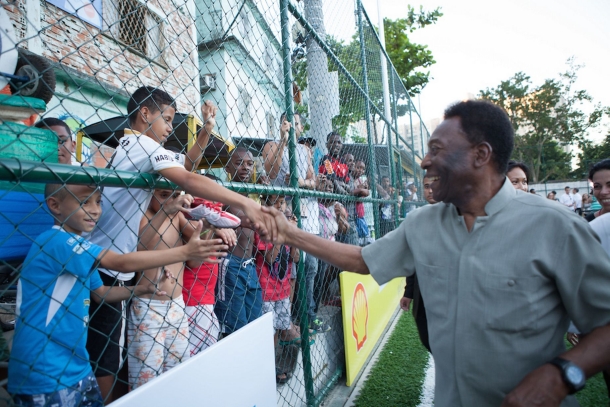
274	289
340	169
199	284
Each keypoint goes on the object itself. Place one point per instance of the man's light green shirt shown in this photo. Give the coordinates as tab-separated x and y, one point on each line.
498	299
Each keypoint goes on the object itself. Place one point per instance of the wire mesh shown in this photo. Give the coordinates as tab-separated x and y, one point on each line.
99	97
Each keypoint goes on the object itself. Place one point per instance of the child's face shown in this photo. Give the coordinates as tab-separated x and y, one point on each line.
360	169
160	122
162	197
77	208
278	202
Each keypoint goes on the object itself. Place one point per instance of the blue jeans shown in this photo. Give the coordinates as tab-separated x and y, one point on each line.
84	393
239	298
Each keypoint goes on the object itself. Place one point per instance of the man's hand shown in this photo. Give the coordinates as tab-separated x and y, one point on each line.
320	181
208	112
283	228
206	251
543	387
260	221
405	303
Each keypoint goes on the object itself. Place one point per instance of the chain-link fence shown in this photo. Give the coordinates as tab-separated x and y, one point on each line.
292	105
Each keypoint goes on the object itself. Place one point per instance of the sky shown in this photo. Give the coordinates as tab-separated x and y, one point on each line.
479	43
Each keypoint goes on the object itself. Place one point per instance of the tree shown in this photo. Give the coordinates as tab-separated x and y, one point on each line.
409	59
591	153
547	119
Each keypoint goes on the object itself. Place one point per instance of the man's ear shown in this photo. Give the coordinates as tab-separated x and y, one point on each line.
483	153
53	204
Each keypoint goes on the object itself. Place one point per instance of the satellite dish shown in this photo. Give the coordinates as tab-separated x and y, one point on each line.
8	47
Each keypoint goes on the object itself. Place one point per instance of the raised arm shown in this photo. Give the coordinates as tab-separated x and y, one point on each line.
343	256
273	152
195	153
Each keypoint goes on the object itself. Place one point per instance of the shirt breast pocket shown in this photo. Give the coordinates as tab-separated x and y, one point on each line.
434	286
511	302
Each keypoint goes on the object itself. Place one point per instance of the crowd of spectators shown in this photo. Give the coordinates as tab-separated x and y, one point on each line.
149	316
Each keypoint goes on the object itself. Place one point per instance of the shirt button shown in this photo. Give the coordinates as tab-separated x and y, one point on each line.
511	283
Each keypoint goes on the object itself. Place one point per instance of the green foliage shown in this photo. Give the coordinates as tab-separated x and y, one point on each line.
546	119
409	58
396	379
590	154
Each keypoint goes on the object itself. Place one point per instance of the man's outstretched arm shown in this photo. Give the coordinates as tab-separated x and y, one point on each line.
344	256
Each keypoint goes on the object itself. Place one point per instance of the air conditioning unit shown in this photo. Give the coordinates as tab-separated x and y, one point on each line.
208	83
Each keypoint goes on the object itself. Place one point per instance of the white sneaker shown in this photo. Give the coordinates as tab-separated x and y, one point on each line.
213	213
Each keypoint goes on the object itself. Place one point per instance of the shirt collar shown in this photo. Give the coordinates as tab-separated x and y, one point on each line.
131	132
506	193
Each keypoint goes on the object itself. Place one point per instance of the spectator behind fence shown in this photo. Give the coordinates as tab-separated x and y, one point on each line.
413	293
386	211
497	335
199	296
158	331
599	175
333	222
239	298
273	266
151	113
277	165
361	188
65	144
333	166
49	363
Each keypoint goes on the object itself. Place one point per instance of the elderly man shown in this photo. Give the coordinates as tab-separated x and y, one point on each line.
499	293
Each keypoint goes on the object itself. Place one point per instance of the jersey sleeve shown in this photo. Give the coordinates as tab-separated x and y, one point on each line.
80	258
160	158
95	281
390	256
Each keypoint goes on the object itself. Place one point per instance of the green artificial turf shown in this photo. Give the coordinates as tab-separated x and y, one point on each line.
397	377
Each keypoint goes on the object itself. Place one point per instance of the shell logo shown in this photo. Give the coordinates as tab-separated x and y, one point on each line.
360	316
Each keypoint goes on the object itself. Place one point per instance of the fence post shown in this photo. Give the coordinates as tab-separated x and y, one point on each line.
367	116
296	202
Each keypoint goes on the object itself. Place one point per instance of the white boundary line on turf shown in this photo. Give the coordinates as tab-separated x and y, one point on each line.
427	391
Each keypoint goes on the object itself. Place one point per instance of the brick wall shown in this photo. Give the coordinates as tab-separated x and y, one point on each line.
71	42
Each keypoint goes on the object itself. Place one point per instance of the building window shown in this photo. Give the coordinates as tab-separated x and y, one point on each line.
136	26
244	103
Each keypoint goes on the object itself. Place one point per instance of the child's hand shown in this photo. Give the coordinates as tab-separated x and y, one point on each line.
261	221
206	251
284	129
208	111
145	289
179	203
228	236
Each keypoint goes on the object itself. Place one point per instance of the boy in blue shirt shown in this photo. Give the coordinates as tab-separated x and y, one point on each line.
49	363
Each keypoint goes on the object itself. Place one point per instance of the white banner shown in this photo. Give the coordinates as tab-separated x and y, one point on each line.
238	371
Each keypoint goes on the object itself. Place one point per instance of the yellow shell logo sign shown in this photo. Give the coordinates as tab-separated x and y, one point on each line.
360	316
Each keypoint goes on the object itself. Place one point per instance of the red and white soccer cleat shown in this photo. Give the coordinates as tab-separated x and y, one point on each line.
213	213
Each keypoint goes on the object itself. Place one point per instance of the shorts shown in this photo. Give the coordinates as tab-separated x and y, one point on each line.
239	297
106	333
158	338
85	393
281	313
203	327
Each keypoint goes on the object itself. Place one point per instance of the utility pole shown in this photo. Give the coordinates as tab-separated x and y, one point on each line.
322	86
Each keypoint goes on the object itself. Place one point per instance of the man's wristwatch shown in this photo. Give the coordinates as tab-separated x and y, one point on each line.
571	374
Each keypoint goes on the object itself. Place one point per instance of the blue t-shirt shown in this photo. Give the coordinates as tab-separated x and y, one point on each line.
53	299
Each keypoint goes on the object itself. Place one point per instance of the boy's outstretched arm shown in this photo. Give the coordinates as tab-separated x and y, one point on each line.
196	249
204	187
